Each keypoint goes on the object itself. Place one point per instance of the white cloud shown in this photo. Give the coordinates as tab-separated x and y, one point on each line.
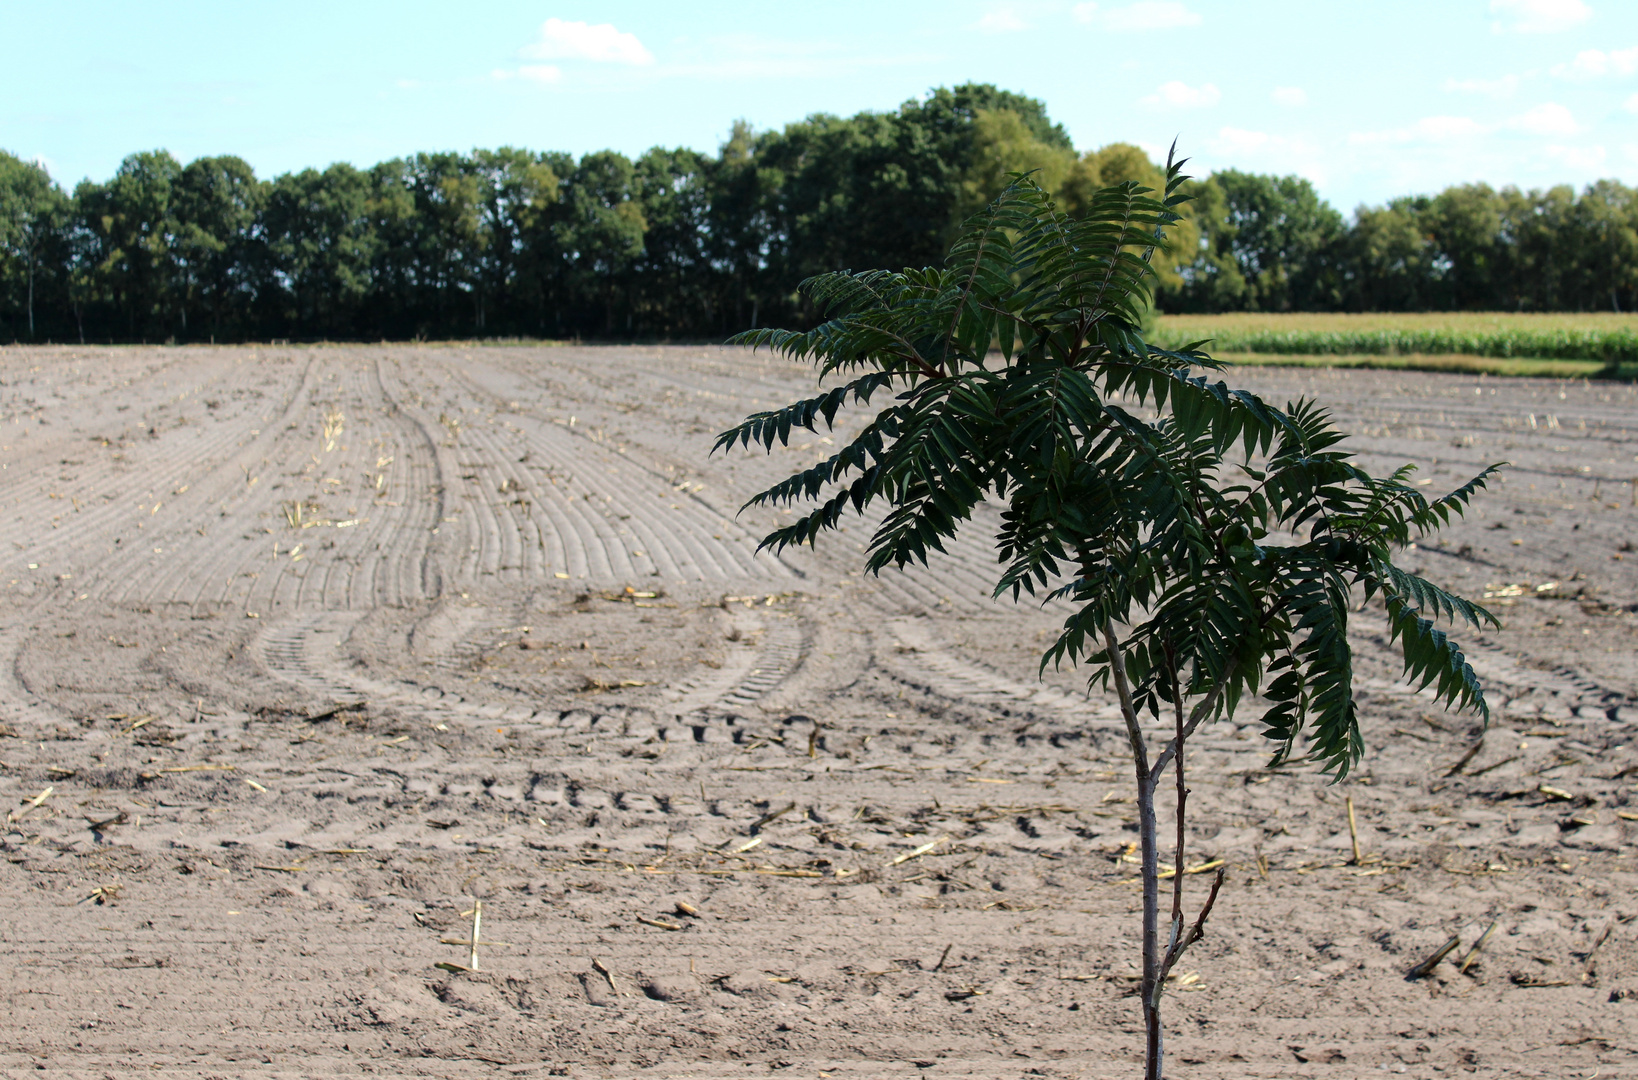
1289	95
614	56
744	56
1503	87
560	40
1242	148
1439	128
1547	119
1596	63
540	73
1585	158
1179	95
1230	138
1429	129
1002	21
1538	16
1143	15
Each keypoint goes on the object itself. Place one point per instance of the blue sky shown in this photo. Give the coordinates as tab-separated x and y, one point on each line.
1367	99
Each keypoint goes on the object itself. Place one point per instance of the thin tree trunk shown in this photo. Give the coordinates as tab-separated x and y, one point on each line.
1148	838
1149	852
31	294
1175	937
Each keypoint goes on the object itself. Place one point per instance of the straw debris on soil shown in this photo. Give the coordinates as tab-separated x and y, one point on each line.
735	810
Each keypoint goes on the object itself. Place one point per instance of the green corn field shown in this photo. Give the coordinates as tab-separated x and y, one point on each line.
1528	344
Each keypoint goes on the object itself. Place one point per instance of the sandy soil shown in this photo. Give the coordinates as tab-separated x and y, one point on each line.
313	648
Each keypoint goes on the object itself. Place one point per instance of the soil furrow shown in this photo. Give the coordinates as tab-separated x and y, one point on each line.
433	624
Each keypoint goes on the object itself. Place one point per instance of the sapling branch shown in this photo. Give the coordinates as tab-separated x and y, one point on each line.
1177	940
1202	711
1182	800
1149	853
1196	932
1123	690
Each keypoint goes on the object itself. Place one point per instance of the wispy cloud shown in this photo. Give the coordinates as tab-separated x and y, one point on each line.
1591	64
1504	87
1546	119
1001	21
601	43
1537	16
1232	138
1242	147
1180	95
1585	158
729	57
1431	129
540	73
1143	15
1289	96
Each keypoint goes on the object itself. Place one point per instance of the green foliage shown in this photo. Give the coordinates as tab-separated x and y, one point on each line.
1017	372
1501	338
216	203
318	236
678	243
32	209
1271	244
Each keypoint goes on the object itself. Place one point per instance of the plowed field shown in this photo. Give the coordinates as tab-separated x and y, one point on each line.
309	650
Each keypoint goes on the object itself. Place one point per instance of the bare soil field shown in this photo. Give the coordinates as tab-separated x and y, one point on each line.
305	651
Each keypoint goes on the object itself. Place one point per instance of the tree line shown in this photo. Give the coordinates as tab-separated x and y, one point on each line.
681	244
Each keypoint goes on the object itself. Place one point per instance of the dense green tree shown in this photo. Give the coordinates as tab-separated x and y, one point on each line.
872	190
515	188
1392	263
397	306
216	201
320	251
1281	237
673	280
884	189
133	228
1465	226
1606	242
32	211
449	240
1539	223
683	244
1003	144
740	233
598	234
1212	279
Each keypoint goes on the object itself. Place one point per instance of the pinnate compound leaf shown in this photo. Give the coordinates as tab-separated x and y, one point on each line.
1135	484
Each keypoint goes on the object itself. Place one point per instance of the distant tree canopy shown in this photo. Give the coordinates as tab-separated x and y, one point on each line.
681	244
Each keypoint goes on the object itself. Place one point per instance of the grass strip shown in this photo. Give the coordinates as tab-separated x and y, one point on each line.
1610	340
1538	367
